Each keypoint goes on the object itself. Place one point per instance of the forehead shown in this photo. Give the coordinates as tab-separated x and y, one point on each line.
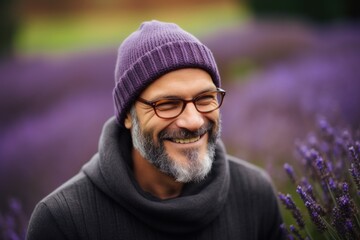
185	82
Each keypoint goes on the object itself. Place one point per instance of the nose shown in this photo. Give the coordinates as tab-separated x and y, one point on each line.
190	118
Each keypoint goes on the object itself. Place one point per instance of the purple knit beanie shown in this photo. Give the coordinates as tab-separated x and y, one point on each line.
155	49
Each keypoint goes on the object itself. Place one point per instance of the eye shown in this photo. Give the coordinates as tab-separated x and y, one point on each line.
166	105
206	99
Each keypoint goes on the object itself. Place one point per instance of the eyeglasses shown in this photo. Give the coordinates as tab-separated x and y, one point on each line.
172	107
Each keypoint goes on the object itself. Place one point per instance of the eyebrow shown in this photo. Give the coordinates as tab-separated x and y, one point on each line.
166	96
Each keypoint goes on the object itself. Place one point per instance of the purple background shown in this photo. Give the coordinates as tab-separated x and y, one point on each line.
279	78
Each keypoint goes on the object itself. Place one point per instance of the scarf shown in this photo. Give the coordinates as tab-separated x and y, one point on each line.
198	204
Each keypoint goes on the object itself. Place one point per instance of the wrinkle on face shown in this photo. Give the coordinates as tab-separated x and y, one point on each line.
194	169
155	137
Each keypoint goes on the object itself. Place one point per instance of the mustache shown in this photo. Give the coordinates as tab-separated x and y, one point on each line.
185	133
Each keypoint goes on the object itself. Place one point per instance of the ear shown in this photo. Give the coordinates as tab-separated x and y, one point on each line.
127	121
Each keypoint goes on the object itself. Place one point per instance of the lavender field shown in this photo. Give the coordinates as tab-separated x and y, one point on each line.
297	74
279	79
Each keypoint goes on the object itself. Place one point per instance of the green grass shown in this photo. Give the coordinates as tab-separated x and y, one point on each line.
86	31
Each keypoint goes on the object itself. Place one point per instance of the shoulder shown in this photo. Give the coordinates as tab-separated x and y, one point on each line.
249	178
42	225
70	192
242	168
59	209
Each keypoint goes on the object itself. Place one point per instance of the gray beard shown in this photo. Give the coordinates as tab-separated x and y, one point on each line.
194	169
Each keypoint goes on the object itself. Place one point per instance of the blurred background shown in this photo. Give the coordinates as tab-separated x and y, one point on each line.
283	63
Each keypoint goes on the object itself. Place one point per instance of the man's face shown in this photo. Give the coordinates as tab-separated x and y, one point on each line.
182	147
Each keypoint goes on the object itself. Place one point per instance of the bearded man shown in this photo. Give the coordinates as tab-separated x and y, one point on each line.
161	171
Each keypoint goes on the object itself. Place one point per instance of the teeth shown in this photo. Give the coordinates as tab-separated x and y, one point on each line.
188	140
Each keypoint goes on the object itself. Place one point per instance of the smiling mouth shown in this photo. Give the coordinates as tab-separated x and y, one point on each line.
186	140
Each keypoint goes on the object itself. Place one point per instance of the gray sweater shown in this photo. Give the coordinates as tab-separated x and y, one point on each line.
103	201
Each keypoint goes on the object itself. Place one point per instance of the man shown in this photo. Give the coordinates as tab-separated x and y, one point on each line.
161	171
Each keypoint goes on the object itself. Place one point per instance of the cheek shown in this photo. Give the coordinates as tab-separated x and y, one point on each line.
154	130
150	124
214	117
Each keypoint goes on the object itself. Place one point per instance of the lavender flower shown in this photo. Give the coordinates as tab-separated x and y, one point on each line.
13	222
332	202
326	130
343	225
308	188
332	184
312	141
307	198
355	164
355	173
296	232
315	216
322	168
302	194
290	172
290	205
286	232
314	209
355	157
355	154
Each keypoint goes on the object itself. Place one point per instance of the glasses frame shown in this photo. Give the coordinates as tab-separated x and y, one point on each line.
153	104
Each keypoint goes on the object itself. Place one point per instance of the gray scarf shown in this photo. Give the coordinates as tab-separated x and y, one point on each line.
199	203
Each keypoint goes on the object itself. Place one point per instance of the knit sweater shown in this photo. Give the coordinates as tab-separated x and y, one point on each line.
104	201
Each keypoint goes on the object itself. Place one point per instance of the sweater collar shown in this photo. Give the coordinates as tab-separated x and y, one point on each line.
199	203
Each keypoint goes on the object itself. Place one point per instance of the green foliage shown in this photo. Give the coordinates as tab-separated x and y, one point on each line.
8	27
94	30
317	11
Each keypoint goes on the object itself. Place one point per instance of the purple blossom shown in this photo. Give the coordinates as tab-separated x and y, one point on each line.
355	165
344	201
315	216
296	232
332	208
310	154
312	140
355	154
349	225
314	209
13	221
340	148
290	205
305	154
355	175
290	172
287	201
345	188
326	130
302	194
344	226
357	146
310	201
321	166
286	233
332	184
308	188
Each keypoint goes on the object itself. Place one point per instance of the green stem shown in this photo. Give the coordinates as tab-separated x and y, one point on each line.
308	233
357	221
331	194
331	231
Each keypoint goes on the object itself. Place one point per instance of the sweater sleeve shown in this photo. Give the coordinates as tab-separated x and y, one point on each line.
42	225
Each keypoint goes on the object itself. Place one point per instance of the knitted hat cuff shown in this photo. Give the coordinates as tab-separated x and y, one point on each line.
154	64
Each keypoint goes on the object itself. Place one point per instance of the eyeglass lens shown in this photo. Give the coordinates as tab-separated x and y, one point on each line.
170	108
